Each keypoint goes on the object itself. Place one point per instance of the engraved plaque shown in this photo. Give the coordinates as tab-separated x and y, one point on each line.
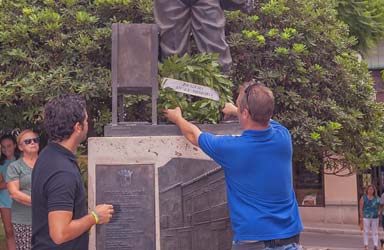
130	189
193	206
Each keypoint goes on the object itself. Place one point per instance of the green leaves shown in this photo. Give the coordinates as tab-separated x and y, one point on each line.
50	48
112	2
323	92
199	69
365	19
83	17
274	7
288	33
298	48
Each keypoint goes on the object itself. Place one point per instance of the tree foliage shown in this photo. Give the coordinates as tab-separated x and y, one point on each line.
299	48
52	47
324	93
365	19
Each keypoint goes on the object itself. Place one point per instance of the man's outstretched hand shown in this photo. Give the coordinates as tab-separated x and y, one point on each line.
173	115
229	110
189	130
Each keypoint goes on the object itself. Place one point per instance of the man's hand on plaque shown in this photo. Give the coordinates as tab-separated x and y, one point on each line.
105	212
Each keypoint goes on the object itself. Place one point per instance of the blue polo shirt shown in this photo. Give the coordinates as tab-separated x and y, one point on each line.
258	172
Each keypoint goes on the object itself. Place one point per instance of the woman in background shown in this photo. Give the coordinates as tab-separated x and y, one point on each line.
369	213
9	154
19	177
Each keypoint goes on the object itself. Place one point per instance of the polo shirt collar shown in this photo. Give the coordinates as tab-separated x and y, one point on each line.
259	135
62	150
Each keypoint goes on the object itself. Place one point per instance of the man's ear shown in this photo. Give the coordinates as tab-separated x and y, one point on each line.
77	127
245	113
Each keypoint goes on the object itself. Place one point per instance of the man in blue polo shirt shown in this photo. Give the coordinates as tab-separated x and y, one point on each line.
258	171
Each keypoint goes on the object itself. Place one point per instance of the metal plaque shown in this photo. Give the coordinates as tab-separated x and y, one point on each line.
131	190
193	206
134	55
134	65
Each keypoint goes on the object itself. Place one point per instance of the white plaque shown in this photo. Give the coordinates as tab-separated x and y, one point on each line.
190	88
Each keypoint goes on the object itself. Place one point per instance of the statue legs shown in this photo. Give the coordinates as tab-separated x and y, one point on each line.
204	18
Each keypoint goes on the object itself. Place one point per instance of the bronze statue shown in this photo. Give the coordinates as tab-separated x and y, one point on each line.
205	19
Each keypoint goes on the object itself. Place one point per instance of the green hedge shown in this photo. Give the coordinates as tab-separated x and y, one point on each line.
299	48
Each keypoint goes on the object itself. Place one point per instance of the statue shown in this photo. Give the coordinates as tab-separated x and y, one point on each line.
205	19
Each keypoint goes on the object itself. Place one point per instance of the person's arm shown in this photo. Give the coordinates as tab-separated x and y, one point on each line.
189	130
229	110
62	228
16	194
3	184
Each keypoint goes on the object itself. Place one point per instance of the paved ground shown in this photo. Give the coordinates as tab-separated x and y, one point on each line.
330	241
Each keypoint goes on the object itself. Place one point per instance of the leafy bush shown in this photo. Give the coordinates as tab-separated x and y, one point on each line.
51	47
324	94
299	48
365	19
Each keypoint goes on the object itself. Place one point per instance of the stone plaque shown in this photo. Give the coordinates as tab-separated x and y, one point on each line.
130	189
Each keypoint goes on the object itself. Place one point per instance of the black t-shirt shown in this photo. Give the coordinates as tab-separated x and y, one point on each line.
56	186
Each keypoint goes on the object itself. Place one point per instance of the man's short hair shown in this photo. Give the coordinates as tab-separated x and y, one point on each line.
259	101
61	114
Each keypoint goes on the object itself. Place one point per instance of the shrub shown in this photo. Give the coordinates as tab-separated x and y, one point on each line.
324	93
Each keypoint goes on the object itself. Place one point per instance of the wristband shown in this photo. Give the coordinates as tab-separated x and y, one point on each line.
96	216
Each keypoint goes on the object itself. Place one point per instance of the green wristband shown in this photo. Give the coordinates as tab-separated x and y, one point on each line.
96	216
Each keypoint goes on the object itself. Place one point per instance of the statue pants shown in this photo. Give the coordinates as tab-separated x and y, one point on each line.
205	19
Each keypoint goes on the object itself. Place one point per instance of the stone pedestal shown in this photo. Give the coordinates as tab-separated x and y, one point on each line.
163	187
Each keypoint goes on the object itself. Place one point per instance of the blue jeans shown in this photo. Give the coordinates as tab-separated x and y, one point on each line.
261	246
292	246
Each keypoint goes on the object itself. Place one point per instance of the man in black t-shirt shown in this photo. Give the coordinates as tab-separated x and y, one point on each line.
60	219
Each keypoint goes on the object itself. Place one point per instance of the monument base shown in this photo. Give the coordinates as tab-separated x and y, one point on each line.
188	194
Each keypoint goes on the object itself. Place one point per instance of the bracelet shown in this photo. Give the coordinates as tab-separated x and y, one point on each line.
96	216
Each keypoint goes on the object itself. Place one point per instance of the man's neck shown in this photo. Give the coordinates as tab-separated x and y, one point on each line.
69	144
255	126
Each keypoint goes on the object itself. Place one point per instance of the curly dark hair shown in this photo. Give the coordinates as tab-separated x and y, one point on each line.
13	139
61	114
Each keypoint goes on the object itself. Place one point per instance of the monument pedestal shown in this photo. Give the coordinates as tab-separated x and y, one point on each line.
167	193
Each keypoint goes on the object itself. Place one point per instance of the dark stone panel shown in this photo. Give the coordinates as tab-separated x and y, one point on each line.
179	170
193	206
131	189
134	55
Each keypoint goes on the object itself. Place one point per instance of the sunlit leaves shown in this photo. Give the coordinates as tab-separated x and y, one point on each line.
49	48
324	92
200	69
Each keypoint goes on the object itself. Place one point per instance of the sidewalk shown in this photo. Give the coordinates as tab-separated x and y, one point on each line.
332	228
338	235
